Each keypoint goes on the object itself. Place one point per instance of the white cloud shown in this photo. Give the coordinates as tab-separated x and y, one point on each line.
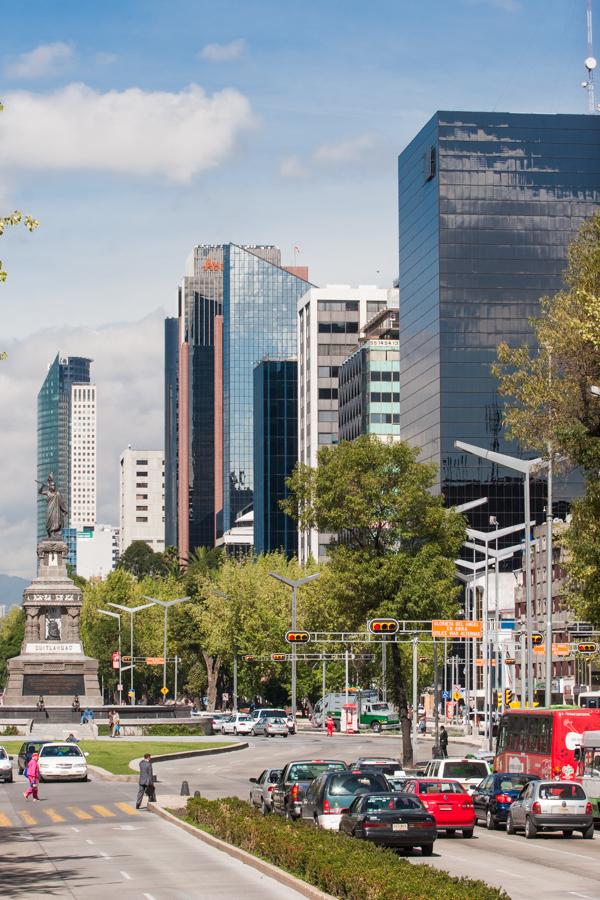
223	52
133	131
44	60
292	167
351	153
128	369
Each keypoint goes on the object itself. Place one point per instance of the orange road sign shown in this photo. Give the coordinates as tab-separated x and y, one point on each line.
557	649
155	660
456	628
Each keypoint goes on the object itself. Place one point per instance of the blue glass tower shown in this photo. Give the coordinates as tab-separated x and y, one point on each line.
275	453
488	204
171	421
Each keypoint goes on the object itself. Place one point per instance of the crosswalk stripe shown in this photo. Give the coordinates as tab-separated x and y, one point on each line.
5	822
27	817
52	814
126	808
103	811
80	813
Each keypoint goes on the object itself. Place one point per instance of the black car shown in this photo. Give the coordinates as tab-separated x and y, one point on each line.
391	820
27	750
294	781
493	797
330	795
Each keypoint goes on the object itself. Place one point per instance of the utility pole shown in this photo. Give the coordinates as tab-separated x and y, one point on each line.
415	695
436	699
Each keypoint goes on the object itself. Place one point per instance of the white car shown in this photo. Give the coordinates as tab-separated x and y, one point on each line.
6	772
239	723
468	772
62	761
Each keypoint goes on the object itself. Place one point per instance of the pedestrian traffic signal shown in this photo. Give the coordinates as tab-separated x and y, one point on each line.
509	696
384	626
587	647
278	657
537	638
297	637
249	658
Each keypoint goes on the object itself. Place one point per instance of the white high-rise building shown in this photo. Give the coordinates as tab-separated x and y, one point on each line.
82	513
142	498
96	555
330	320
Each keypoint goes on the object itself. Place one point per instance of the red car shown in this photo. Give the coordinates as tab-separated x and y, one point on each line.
447	801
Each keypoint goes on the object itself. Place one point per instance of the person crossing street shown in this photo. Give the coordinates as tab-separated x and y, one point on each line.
146	782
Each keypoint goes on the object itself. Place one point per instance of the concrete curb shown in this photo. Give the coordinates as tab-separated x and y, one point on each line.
105	775
268	869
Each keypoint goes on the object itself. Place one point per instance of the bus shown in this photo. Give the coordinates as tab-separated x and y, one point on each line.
542	742
589	699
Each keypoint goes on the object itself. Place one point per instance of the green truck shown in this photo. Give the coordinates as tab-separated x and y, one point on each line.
373	714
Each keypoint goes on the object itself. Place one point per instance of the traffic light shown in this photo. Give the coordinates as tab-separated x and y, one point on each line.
297	637
278	657
537	638
383	626
249	658
508	696
587	647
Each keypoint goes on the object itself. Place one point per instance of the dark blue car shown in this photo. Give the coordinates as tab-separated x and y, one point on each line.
493	797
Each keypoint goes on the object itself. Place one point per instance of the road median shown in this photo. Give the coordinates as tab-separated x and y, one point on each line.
123	757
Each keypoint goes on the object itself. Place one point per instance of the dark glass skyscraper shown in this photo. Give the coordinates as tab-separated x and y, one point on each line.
171	422
488	203
275	453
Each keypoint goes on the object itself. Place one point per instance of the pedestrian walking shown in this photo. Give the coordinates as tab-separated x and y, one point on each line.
33	777
146	782
443	743
111	720
329	724
116	724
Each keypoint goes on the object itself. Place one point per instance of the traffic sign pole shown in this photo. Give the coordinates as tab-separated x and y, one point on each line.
415	644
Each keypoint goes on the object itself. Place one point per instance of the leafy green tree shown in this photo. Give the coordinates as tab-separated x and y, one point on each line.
396	554
12	631
140	560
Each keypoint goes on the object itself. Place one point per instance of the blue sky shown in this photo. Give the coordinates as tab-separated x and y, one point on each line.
134	129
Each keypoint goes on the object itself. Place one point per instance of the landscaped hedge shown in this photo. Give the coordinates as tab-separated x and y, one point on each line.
165	730
340	865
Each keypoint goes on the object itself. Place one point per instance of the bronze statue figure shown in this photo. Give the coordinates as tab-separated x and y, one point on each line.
56	511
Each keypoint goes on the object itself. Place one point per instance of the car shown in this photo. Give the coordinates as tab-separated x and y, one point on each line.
331	794
62	761
260	793
238	723
6	771
276	727
396	783
386	765
217	720
294	781
493	797
447	801
468	772
261	716
391	820
27	750
551	806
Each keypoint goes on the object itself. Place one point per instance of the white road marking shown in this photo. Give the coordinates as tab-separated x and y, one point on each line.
105	855
149	897
512	874
74	828
539	846
87	840
125	875
575	894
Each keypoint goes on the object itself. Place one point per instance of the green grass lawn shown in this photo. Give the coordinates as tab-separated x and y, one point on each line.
115	757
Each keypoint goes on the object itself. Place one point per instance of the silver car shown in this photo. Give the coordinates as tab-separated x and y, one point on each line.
276	727
260	717
262	788
551	806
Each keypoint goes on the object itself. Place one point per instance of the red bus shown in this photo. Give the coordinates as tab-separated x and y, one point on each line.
542	741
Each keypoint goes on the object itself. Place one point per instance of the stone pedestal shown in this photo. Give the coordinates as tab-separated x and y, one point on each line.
52	663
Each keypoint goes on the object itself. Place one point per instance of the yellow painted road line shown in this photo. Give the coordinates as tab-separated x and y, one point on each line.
5	821
27	817
52	814
103	811
127	808
80	813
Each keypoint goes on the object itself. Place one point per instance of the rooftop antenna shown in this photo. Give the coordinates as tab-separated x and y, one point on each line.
590	64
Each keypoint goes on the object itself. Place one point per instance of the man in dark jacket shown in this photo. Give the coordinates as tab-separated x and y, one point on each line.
443	743
146	781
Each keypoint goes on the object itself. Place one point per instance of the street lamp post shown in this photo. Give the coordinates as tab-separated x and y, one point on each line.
131	610
117	616
294	585
524	466
165	605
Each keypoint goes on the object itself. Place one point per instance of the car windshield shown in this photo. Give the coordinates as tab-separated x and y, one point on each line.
274	776
347	784
69	750
2	753
560	791
277	721
308	771
512	782
440	787
243	718
387	802
466	769
377	707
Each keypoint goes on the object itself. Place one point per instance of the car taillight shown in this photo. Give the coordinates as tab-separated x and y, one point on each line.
503	798
368	824
421	825
536	808
270	788
326	807
295	792
588	808
467	804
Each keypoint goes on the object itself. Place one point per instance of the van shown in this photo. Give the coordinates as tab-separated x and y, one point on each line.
468	772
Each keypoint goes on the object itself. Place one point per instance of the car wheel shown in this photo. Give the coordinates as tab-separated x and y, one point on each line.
284	735
490	822
20	771
376	727
289	816
467	832
315	822
450	832
530	829
253	733
588	834
567	833
510	828
235	731
426	850
263	808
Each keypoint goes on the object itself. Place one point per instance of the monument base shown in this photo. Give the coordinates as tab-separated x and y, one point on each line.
58	681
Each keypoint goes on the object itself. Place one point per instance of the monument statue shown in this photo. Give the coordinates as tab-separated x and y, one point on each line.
56	511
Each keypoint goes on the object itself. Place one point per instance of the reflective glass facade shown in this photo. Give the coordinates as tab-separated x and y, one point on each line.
275	453
369	392
171	403
259	320
488	203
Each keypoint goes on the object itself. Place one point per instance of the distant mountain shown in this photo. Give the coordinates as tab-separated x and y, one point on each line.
11	589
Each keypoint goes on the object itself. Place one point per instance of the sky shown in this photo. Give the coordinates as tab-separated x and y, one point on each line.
134	129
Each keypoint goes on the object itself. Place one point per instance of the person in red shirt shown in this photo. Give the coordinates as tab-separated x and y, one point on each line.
329	723
33	777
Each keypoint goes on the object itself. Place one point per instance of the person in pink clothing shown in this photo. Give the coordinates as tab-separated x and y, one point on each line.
33	777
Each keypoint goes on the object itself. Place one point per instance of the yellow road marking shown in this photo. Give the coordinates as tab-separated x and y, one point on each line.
4	821
27	817
80	813
126	808
103	811
52	814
